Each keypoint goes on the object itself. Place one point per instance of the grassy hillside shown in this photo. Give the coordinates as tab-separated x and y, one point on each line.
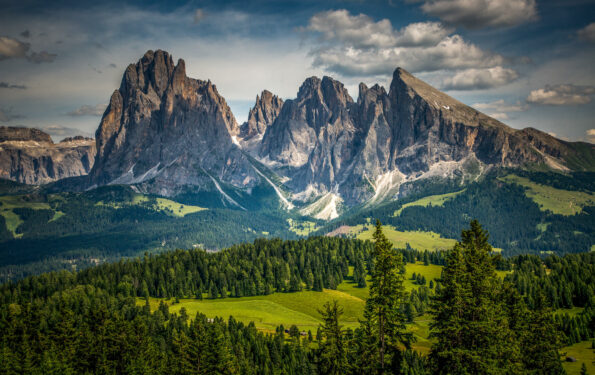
558	201
418	240
167	206
301	308
434	200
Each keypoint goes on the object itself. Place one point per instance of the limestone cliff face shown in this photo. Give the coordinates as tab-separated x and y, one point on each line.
29	156
168	131
362	150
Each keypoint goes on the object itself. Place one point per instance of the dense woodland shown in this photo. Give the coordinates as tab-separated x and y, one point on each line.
89	321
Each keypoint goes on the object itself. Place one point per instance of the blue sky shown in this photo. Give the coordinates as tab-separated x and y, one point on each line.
526	62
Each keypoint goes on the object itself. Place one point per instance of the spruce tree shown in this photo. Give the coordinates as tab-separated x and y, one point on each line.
332	354
383	315
470	327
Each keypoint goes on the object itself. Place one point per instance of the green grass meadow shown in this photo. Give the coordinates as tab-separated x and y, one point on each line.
416	239
558	201
434	200
583	353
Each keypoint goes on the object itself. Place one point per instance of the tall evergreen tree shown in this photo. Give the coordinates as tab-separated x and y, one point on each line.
332	355
384	316
470	324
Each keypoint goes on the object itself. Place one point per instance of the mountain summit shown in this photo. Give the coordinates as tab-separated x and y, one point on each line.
167	132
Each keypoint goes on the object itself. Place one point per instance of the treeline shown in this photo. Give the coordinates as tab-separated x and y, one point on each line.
259	268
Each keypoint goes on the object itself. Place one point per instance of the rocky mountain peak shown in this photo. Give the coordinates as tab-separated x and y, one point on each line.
167	131
263	114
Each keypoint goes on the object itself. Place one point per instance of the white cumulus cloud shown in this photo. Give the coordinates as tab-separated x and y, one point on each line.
475	14
356	45
473	79
588	33
566	94
11	48
591	135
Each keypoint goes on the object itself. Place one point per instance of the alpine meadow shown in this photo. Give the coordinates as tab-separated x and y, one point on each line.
412	190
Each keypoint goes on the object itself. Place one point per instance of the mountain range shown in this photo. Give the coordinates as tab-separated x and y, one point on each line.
170	167
168	134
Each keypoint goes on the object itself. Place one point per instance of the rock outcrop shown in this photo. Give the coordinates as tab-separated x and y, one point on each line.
261	116
30	156
168	132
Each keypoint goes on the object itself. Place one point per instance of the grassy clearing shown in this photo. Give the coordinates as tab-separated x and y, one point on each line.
416	239
9	202
583	354
268	312
558	201
434	200
302	228
168	206
571	312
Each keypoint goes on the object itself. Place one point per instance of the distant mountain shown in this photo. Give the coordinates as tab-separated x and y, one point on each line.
30	156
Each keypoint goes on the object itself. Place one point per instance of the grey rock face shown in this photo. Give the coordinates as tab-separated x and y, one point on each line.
262	115
30	156
356	149
171	130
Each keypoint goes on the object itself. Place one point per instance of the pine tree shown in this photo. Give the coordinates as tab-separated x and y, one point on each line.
383	314
332	354
470	324
541	341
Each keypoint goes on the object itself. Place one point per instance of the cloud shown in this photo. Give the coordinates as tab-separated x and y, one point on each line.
6	115
12	49
41	57
359	46
112	65
501	106
476	14
590	135
473	79
587	33
6	85
499	109
199	15
88	110
566	94
26	34
60	131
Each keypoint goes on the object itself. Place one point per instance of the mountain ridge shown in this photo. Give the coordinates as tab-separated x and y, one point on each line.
171	135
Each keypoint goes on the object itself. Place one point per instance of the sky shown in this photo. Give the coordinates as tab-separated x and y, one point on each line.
528	63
